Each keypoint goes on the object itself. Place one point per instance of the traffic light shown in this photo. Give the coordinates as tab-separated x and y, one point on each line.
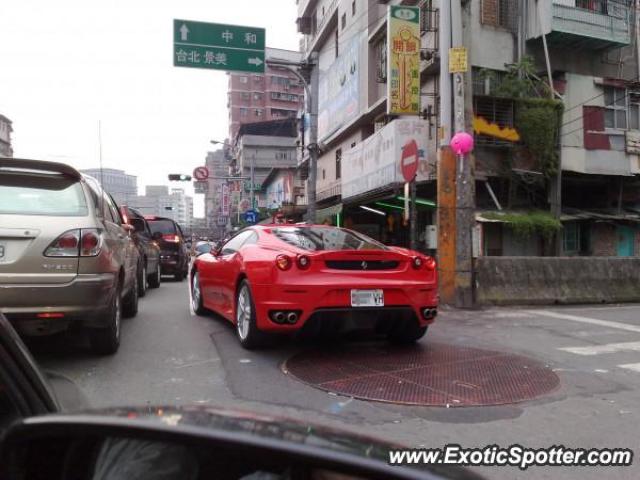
179	177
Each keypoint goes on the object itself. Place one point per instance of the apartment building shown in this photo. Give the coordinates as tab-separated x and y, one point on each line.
593	65
122	186
5	137
276	94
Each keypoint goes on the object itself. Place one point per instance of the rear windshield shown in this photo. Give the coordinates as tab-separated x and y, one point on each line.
203	248
165	227
326	238
36	194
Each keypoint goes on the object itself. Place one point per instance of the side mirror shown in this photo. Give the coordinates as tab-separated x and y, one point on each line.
190	443
157	236
138	224
216	248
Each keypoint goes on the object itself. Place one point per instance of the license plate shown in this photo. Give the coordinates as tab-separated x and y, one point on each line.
367	298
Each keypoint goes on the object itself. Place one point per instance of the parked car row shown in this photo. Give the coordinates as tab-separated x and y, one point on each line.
70	257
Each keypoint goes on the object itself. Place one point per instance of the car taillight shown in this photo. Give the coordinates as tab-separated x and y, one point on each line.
430	263
417	263
171	238
91	242
66	245
85	242
283	262
303	262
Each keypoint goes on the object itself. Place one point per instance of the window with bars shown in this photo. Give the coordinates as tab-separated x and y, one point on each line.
494	110
615	101
486	81
428	17
381	60
499	13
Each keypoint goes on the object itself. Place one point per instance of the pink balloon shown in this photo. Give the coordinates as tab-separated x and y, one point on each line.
462	143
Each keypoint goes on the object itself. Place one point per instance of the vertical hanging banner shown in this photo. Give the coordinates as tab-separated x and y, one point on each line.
403	60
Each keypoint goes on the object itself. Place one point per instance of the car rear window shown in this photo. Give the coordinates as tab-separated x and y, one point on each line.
35	194
165	227
326	238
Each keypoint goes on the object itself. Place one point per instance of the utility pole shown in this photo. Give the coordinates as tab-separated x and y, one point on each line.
312	148
446	182
252	180
456	179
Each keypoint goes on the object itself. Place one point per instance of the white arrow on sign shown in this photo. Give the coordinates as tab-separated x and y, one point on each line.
184	31
255	61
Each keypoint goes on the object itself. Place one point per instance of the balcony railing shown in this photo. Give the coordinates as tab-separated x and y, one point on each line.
591	23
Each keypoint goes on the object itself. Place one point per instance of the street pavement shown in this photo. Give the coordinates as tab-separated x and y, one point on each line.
170	356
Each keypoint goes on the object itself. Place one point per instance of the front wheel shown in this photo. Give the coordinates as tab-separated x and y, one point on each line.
196	295
246	328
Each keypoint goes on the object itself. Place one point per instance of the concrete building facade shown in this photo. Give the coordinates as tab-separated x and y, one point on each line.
593	58
164	202
6	129
122	186
274	95
217	162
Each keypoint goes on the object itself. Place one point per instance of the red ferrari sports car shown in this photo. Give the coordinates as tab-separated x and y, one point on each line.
287	278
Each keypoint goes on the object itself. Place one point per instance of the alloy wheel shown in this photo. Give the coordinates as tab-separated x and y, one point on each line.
243	312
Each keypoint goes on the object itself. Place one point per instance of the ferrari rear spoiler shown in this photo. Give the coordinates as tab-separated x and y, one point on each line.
19	164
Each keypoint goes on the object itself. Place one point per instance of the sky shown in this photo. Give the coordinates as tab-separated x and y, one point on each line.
66	65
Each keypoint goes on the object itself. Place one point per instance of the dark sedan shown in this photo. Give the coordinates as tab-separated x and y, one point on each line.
149	267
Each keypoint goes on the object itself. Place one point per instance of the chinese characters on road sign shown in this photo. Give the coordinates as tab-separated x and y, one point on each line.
218	47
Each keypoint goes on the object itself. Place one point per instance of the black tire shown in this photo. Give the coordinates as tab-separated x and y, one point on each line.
142	280
407	333
155	278
196	295
130	301
105	341
250	338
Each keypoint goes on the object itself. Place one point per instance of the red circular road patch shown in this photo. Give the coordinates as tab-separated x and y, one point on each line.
433	374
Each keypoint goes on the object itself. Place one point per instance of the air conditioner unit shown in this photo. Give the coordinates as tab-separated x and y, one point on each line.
304	25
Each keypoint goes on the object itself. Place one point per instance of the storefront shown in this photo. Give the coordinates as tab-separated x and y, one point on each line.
373	184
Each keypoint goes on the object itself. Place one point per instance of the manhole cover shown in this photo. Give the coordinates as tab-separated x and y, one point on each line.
434	374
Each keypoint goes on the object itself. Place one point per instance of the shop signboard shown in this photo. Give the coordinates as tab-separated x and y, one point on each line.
378	161
338	94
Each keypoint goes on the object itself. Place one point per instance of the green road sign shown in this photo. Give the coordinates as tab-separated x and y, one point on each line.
218	47
256	186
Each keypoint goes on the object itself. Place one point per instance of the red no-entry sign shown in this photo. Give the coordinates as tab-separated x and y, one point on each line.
409	160
201	173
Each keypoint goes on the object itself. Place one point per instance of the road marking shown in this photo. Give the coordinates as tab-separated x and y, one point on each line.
600	349
592	321
631	366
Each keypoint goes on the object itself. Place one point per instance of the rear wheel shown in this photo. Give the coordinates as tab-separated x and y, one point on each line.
142	280
154	280
130	302
246	329
196	295
105	341
407	333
